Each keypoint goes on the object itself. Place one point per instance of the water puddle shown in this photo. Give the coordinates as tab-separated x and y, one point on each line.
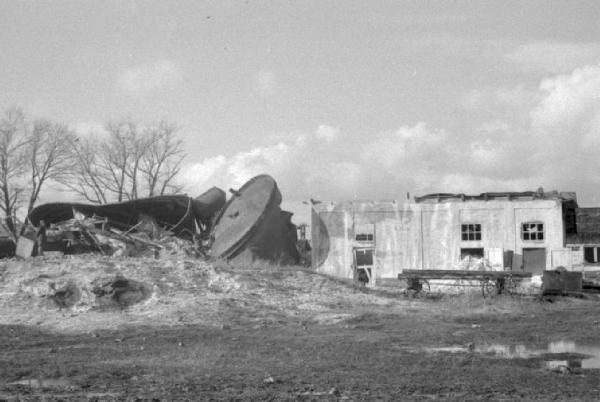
566	356
42	383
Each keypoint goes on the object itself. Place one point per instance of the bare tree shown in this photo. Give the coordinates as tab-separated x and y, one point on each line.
118	154
13	156
85	176
31	154
127	163
49	155
162	161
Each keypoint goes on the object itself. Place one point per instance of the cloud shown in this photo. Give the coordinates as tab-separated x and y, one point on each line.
234	171
555	146
148	77
554	57
198	175
568	99
327	133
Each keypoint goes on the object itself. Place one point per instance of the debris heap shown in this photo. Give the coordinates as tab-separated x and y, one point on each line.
248	227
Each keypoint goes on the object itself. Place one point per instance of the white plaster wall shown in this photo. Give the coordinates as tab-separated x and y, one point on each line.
428	235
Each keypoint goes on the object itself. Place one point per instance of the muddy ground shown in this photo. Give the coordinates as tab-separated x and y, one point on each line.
277	334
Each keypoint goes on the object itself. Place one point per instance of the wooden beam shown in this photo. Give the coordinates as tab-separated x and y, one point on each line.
460	274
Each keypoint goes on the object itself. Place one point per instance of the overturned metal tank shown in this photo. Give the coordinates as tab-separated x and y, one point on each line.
177	213
252	226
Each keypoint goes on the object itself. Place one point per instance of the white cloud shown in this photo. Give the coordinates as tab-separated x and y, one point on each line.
554	57
405	146
569	98
197	175
554	145
327	133
148	77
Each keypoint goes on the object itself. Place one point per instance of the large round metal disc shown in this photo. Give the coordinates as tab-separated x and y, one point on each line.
242	214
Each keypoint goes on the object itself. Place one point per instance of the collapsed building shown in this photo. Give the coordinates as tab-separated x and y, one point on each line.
526	231
249	226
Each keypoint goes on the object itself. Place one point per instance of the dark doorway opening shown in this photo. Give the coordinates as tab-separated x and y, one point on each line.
363	263
471	252
534	260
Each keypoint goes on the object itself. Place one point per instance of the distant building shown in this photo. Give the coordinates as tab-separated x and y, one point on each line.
585	242
378	239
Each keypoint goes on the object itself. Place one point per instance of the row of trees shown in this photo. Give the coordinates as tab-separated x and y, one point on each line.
126	162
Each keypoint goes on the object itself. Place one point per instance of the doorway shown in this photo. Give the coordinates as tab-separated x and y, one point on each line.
363	265
534	260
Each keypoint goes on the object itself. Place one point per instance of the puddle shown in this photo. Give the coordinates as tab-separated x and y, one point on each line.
558	356
582	356
42	383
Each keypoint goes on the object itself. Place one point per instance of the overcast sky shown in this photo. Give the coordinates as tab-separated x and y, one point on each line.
336	100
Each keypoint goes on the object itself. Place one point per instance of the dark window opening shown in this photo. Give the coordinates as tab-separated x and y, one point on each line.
471	252
365	232
364	257
532	231
470	232
364	237
591	254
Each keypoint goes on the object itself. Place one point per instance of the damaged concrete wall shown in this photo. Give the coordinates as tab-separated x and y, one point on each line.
428	235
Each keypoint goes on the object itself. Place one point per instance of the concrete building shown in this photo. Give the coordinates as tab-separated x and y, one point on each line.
378	239
585	242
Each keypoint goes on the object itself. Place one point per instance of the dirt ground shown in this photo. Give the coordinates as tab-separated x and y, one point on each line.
214	332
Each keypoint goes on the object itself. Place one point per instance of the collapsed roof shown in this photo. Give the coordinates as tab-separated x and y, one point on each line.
510	195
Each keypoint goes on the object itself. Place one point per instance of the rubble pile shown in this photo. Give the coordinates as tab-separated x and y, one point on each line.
249	226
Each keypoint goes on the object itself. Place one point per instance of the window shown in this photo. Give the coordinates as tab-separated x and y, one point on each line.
364	232
532	231
470	232
591	254
471	252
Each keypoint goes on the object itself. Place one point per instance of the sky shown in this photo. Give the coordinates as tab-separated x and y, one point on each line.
337	100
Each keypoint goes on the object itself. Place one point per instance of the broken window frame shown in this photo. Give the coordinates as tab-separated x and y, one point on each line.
536	235
364	233
470	232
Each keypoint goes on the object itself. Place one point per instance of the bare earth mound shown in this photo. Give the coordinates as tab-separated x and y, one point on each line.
91	292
